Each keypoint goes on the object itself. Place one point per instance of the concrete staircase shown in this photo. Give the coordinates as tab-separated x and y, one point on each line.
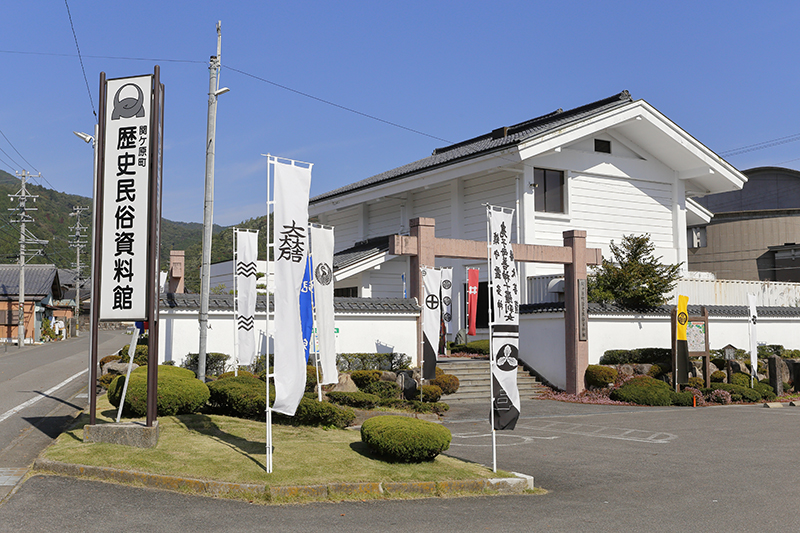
473	377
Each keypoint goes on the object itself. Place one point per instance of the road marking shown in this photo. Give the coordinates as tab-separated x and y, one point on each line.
44	394
522	439
11	476
604	432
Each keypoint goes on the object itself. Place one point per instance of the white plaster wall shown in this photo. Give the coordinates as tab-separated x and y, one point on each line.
541	345
179	334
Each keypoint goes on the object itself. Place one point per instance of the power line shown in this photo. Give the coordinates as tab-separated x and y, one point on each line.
85	79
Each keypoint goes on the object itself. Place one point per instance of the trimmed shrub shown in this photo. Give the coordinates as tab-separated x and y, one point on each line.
108	359
658	370
743	393
215	363
106	379
430	394
447	382
636	356
765	390
599	376
384	389
718	376
179	392
242	396
139	355
720	396
347	362
362	378
741	379
405	439
476	347
359	400
310	412
696	382
311	378
683	399
643	390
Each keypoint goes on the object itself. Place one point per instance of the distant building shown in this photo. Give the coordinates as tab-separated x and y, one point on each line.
754	234
42	289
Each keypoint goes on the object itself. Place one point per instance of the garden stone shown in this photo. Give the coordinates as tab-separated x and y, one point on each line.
118	368
739	366
388	376
776	374
345	384
626	370
642	369
407	383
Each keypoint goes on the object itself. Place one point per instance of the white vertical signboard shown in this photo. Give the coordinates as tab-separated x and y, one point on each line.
125	202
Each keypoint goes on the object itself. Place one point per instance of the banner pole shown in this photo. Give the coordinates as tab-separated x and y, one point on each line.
131	352
491	347
270	246
235	306
314	324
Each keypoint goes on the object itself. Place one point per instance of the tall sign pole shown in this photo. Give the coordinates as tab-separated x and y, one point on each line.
208	207
125	277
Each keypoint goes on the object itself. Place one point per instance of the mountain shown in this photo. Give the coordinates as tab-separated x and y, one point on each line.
52	222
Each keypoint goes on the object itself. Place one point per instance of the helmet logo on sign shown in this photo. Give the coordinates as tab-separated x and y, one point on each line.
682	318
507	357
128	107
446	284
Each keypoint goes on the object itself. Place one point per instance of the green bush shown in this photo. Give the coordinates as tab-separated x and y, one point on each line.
243	396
311	412
178	392
658	370
106	379
383	389
311	378
430	394
139	355
643	390
741	379
718	376
636	356
108	359
765	390
404	439
447	382
359	400
743	393
215	363
362	378
476	347
684	399
347	362
599	376
697	382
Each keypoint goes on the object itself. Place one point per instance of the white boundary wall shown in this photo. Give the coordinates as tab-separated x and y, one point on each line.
542	337
358	333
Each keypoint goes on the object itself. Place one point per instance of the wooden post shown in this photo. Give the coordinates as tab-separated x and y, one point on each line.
576	350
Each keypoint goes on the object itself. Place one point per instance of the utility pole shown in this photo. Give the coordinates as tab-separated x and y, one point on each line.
77	242
22	218
208	207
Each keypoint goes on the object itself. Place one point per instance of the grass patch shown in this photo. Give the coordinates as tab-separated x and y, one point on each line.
219	448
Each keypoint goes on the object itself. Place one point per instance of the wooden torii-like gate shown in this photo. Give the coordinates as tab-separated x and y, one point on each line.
424	247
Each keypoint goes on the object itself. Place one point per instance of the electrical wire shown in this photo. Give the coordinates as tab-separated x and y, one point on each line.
85	79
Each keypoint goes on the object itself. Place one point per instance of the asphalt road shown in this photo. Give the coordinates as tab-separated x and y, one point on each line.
41	389
606	468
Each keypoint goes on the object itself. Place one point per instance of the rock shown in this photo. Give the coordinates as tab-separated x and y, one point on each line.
642	369
345	384
739	366
625	369
118	368
408	384
388	376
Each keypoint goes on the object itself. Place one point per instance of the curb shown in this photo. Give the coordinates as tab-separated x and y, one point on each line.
515	485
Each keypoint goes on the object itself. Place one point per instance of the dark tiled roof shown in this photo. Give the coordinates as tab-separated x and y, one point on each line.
361	250
40	280
224	302
664	310
497	139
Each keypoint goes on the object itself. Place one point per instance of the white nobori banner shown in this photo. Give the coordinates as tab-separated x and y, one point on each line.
322	256
125	199
447	299
245	304
504	299
431	319
292	184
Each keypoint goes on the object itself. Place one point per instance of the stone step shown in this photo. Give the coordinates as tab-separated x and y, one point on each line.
474	382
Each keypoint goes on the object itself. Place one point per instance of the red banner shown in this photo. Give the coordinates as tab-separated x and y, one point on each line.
472	298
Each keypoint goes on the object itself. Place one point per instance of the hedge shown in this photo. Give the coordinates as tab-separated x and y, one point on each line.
405	439
476	347
383	389
643	390
636	356
178	392
372	361
360	400
215	363
363	378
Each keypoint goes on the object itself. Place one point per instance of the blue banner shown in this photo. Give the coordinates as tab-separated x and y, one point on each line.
306	311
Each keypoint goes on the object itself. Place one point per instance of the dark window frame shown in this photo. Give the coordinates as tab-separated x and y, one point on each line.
550	193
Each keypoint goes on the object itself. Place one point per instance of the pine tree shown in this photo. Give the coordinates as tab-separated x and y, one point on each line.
634	278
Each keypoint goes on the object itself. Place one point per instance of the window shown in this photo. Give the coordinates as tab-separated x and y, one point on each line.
346	292
603	146
549	194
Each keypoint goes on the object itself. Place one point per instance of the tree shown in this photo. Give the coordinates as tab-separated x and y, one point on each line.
634	278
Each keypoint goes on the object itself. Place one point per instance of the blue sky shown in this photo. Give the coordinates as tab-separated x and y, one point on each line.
724	72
